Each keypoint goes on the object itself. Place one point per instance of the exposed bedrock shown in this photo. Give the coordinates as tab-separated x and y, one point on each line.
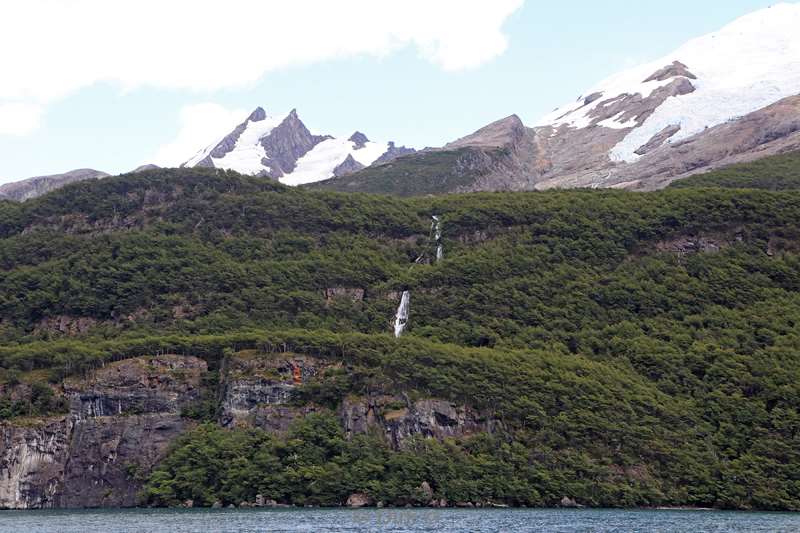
120	422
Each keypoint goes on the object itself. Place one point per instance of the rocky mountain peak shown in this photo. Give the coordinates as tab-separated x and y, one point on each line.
503	132
257	115
360	139
283	148
286	143
348	166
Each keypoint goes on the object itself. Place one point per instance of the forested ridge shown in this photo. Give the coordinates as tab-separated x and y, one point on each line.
637	349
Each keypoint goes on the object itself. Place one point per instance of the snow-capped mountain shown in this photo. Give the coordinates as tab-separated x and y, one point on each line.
727	97
746	66
281	147
723	98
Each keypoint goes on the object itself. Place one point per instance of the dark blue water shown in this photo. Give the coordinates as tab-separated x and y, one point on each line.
397	520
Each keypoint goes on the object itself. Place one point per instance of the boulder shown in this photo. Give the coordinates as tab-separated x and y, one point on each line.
359	499
569	503
426	492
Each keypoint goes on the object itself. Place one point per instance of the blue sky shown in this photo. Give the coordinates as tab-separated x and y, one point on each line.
407	91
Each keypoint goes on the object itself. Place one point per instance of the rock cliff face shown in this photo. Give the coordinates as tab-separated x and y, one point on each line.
257	392
401	419
32	462
120	423
123	417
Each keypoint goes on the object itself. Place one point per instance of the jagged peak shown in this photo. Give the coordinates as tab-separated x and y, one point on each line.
359	139
281	146
348	166
257	115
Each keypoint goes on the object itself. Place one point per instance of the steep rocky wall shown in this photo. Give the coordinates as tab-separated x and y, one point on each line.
120	424
124	416
401	419
109	455
257	392
32	460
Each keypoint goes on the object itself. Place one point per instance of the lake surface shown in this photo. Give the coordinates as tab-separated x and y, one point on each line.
396	520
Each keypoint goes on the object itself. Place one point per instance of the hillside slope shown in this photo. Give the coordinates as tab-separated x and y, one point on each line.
614	348
776	173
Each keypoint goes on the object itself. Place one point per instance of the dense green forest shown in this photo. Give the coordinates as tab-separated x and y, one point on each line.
639	349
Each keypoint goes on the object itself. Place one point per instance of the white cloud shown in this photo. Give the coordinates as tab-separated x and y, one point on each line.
19	118
55	47
201	125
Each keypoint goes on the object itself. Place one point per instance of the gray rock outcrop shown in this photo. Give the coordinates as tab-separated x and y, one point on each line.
393	152
401	420
120	423
348	166
257	392
286	143
359	139
671	71
359	499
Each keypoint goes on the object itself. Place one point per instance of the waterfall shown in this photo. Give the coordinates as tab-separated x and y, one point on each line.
401	318
436	228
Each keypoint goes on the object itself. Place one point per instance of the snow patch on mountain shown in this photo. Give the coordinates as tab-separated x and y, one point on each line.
247	155
751	63
320	162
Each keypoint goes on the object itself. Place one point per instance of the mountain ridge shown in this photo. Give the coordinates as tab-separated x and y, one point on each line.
36	186
283	148
727	97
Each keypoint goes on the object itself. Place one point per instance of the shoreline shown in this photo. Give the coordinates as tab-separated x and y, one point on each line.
287	507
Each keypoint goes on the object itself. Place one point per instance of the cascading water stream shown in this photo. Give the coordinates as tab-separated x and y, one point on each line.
436	227
401	318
